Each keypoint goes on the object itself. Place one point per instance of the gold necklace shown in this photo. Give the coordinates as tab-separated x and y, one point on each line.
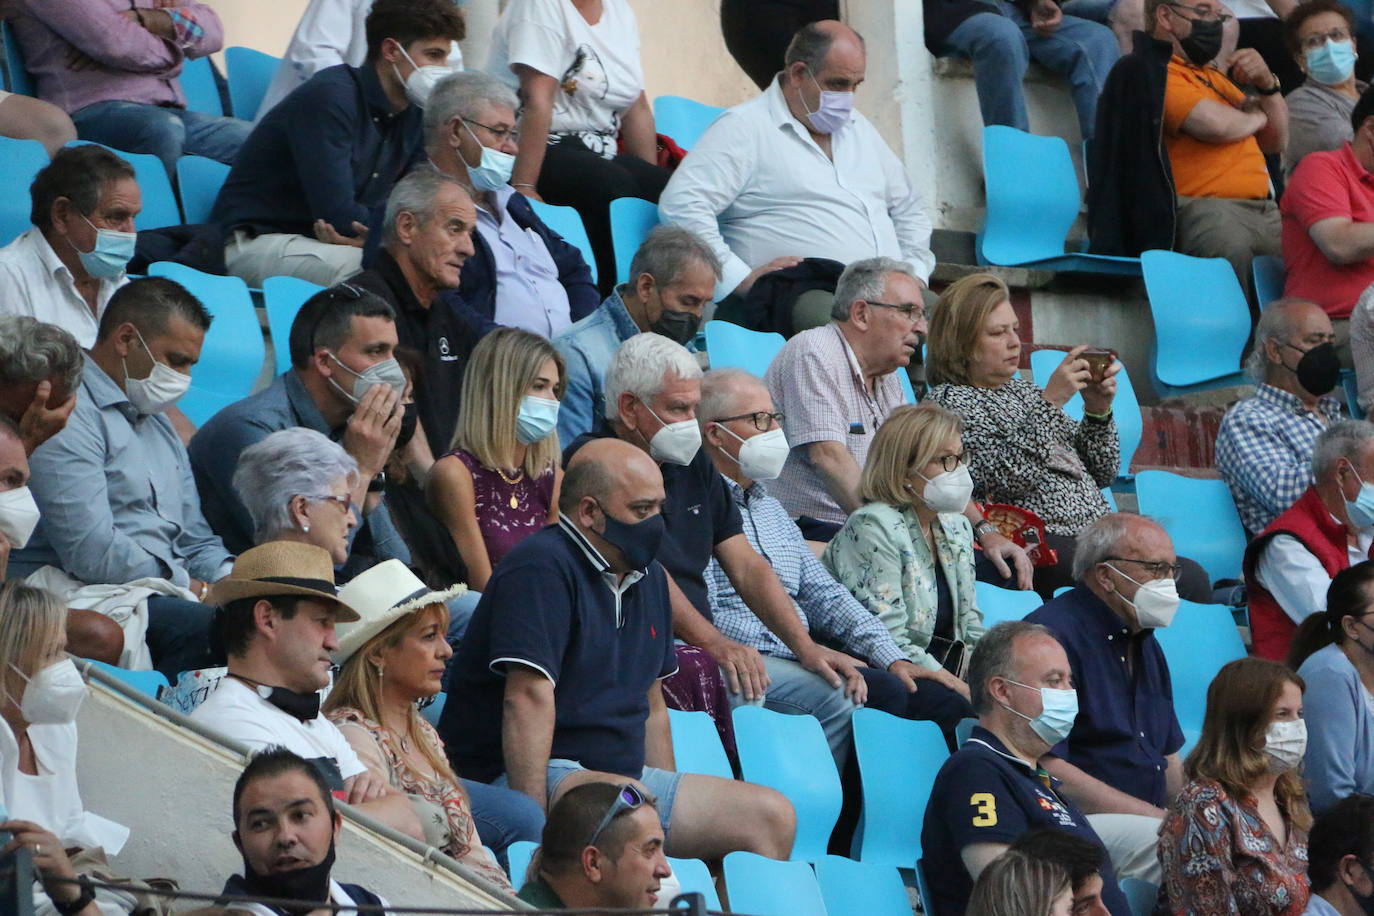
512	481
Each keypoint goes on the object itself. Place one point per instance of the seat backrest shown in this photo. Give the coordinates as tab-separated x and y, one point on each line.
567	222
729	346
1197	643
16	73
852	888
898	761
923	889
1130	425
1199	516
1027	220
632	220
146	681
20	161
766	887
518	855
696	744
999	605
1140	896
198	83
790	754
693	875
160	206
283	298
199	180
434	710
1193	300
685	120
249	73
1269	275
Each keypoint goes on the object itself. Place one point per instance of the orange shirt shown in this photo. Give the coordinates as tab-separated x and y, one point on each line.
1234	170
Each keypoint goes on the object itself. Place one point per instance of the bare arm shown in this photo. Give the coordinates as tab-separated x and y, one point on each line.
1274	137
1093	795
839	470
451	498
527	731
658	732
1173	775
976	856
396	812
1342	240
536	95
1212	122
741	665
637	130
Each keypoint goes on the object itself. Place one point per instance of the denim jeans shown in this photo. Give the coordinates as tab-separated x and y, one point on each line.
180	636
1096	10
503	816
167	133
1001	46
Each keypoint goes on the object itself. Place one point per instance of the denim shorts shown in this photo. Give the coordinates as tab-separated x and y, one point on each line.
662	784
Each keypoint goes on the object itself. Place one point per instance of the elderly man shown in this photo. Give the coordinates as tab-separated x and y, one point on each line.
1264	446
115	488
561	666
64	270
796	173
993	790
1289	566
673	274
40	371
744	439
308	176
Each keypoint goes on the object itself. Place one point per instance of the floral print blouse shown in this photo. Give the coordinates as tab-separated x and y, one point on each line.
884	559
1219	857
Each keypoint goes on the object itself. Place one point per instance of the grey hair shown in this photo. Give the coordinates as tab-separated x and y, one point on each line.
32	351
866	280
640	365
994	657
667	252
1276	325
1099	541
719	388
811	44
288	463
416	194
465	94
1345	439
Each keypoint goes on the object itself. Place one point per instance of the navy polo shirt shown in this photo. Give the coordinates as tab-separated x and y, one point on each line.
1126	723
551	606
698	513
983	794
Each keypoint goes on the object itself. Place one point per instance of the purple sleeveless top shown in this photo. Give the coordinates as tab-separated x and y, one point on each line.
503	525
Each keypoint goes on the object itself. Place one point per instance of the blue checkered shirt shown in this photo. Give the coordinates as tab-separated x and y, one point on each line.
1264	452
826	607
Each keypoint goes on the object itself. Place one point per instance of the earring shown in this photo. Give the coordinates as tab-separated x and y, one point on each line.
381	672
305	528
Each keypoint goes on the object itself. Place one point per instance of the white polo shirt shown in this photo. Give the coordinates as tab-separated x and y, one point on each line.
35	282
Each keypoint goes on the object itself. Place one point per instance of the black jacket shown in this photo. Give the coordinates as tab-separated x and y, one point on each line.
1131	198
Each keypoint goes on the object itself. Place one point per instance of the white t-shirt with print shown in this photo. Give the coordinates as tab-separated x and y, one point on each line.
597	66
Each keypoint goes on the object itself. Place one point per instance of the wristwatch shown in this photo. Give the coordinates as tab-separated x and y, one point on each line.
1278	86
982	528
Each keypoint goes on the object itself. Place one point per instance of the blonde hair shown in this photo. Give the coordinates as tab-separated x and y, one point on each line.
503	366
909	438
32	621
956	320
1014	884
359	682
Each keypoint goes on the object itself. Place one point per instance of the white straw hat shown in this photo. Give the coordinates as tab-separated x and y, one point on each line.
381	596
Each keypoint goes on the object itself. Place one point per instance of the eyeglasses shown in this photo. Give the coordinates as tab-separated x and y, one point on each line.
910	311
952	462
500	133
1205	13
1339	33
1157	568
628	799
345	502
763	420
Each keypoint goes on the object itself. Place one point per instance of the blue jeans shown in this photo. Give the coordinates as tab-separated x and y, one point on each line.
503	816
1096	10
1001	46
167	133
180	636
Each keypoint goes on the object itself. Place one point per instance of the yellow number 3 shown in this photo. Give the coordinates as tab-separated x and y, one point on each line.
986	804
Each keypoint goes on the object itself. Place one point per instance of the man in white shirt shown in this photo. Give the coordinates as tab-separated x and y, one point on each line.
64	270
796	173
278	608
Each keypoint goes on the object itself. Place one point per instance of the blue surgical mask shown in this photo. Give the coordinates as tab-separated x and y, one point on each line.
1331	62
1361	508
493	170
536	419
111	254
1060	708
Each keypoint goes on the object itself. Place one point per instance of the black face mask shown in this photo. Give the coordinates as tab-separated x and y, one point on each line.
310	885
1366	903
303	706
639	542
1319	369
408	421
679	327
1203	42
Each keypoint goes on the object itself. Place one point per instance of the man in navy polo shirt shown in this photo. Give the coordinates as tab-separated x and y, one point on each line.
1120	763
992	790
556	683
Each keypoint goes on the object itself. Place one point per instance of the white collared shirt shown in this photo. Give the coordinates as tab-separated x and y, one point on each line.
529	293
757	187
1296	578
35	282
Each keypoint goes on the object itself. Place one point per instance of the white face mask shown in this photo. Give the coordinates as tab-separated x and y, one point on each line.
18	516
948	491
1155	603
421	82
1285	743
761	457
163	387
54	695
675	443
387	372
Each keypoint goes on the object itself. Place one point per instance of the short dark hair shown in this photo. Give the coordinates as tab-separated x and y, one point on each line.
1363	109
149	303
274	761
409	21
574	818
326	319
1079	857
1344	829
236	622
78	173
995	656
1305	11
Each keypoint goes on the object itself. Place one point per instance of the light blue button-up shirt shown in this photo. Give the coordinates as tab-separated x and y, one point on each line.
117	498
529	293
588	347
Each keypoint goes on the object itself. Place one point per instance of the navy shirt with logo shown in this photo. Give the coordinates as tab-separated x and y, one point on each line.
550	606
984	794
1126	724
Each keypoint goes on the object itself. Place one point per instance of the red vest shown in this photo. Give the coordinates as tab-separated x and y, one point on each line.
1310	522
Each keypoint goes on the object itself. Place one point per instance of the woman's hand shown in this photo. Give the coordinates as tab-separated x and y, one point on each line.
1069	378
1097	397
49	859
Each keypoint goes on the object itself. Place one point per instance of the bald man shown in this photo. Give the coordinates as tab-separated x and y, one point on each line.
560	667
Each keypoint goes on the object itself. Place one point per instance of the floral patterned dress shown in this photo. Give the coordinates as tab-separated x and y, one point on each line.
1219	857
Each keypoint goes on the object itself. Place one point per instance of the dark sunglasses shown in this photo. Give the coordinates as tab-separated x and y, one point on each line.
628	799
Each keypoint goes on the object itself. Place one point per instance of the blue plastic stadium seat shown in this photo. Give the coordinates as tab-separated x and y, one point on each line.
198	83
963	730
729	346
696	745
766	887
693	875
685	120
1139	895
248	73
1194	300
1200	640
16	73
160	206
999	605
283	298
434	710
1029	221
567	222
199	180
923	889
1199	516
1130	426
632	220
232	354
20	161
898	760
146	681
790	754
519	854
1269	275
852	888
1350	385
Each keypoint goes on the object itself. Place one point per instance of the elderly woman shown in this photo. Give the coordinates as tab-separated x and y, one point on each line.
1320	34
907	553
392	658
